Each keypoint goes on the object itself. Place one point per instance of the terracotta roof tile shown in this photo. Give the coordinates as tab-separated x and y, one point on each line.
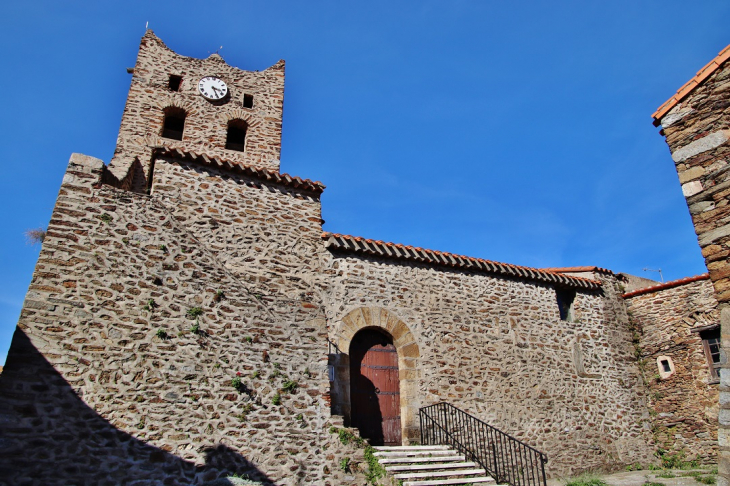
690	85
256	172
666	285
577	270
358	244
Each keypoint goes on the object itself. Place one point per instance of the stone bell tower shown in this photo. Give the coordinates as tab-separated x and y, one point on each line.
202	106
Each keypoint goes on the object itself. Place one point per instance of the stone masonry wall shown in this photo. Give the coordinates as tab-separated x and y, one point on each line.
684	404
109	380
109	375
206	122
497	348
697	132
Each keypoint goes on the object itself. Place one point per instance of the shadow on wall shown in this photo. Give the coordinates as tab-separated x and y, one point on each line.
366	415
49	436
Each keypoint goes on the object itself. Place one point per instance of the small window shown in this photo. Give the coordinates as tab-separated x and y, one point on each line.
174	123
665	366
174	83
565	298
248	101
236	137
711	343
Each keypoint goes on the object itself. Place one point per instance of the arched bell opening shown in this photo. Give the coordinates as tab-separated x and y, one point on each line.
173	124
236	135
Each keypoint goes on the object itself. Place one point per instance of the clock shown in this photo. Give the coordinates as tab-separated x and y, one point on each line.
212	88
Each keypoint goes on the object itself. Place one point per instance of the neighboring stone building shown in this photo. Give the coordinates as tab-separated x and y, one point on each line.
677	335
696	124
188	319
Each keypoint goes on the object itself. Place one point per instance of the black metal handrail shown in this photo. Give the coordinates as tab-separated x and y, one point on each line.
506	459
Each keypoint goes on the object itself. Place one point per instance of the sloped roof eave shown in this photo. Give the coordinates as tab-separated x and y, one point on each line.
251	171
666	285
577	270
336	241
691	85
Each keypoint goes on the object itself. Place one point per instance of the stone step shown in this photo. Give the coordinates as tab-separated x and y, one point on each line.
411	459
412	448
440	452
428	467
438	482
440	474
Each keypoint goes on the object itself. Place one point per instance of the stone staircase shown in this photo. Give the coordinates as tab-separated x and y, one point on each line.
430	465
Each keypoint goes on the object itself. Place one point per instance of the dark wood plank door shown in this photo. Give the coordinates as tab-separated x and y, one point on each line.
375	388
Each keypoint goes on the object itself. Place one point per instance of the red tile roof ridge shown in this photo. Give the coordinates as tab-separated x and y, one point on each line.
690	85
259	172
666	285
455	260
585	268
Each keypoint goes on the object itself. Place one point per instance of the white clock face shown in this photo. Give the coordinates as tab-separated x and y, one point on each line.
212	88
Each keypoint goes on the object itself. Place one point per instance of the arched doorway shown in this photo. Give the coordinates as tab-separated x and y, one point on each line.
408	354
375	387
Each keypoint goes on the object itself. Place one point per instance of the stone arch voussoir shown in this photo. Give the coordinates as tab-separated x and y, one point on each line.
238	114
176	101
376	317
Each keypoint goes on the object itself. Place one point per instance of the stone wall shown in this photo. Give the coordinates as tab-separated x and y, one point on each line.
108	342
498	349
697	131
684	403
135	326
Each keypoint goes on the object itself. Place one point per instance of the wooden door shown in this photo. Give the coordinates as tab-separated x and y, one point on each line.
375	388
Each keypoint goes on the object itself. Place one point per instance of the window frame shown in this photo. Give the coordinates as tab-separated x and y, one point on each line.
173	113
235	127
565	298
707	334
174	83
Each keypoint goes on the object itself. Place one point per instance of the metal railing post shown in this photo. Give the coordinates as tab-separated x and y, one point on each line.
420	423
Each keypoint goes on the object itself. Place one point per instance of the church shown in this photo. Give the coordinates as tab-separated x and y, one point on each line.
189	319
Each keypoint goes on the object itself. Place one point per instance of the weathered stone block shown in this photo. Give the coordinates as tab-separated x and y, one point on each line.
709	237
708	142
410	350
690	174
692	188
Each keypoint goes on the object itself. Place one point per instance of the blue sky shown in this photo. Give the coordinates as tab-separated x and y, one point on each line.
514	131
